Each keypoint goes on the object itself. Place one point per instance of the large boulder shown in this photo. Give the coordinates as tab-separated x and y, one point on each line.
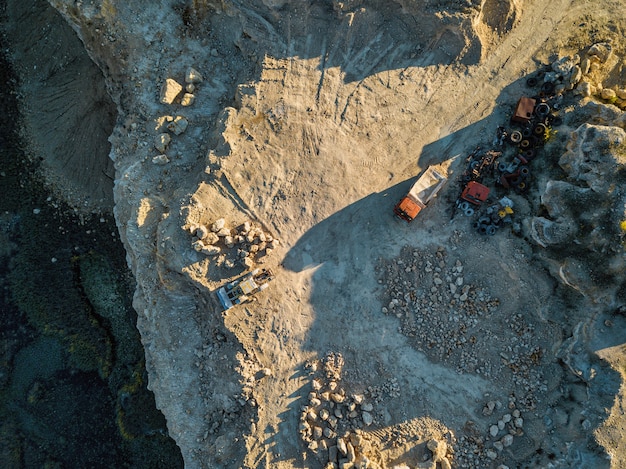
596	156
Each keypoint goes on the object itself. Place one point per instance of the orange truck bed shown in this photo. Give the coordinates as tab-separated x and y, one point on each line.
422	192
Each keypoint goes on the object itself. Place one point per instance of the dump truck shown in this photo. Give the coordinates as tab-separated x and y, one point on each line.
241	290
421	193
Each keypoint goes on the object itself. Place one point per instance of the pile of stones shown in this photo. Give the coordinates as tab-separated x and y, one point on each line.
245	245
584	74
170	94
331	421
458	323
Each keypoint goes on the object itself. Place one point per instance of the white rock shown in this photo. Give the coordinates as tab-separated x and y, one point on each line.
341	446
585	65
493	430
187	99
198	245
161	142
229	241
608	93
160	160
506	418
600	50
193	76
367	407
507	440
498	445
585	88
576	75
218	225
324	414
201	232
178	125
438	448
491	454
223	232
211	250
367	418
519	422
621	93
170	90
211	238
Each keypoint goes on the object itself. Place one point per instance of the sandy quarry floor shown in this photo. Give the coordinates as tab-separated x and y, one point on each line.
335	113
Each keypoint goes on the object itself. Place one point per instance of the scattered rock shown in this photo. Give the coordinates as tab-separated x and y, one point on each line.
218	225
193	76
211	250
161	142
367	418
178	125
600	51
170	91
201	232
438	448
187	99
608	93
211	238
160	160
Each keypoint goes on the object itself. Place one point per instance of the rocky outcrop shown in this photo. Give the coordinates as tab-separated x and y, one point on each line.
586	211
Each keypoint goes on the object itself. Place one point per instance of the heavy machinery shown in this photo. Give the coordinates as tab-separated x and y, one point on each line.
241	290
423	191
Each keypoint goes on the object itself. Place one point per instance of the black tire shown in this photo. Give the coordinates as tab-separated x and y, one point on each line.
540	130
468	212
529	154
491	230
542	110
547	87
464	206
524	144
515	137
557	121
524	172
527	132
531	82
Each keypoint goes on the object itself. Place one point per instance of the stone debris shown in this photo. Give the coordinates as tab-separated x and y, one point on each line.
447	325
170	91
193	76
161	142
160	160
333	417
232	246
187	99
178	125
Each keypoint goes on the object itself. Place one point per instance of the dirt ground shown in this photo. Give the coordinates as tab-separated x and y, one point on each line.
389	344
